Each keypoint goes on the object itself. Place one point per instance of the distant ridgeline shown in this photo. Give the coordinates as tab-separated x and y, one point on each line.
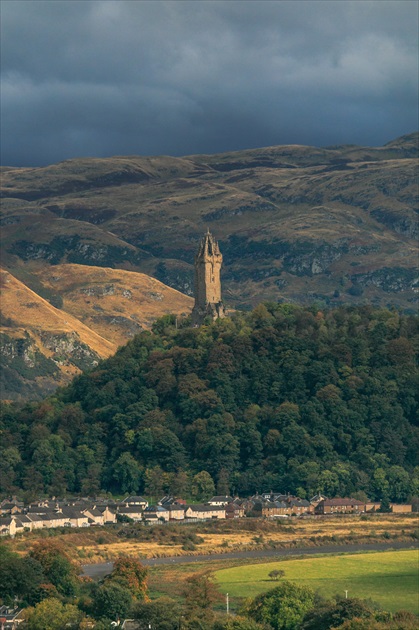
283	397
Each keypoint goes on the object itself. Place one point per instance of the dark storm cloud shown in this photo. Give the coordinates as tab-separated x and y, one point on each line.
115	77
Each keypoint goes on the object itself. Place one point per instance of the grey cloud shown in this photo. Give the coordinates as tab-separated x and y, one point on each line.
116	77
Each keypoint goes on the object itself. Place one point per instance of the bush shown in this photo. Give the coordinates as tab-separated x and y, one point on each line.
188	546
276	574
283	608
331	615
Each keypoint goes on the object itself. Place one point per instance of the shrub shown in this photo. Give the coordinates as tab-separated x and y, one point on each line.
283	608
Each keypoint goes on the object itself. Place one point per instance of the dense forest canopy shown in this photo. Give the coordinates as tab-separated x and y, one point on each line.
284	398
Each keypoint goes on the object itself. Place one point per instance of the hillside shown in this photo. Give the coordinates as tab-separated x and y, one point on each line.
298	224
99	309
285	397
115	303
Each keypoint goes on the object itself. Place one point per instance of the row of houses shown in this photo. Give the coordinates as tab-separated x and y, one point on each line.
17	518
319	505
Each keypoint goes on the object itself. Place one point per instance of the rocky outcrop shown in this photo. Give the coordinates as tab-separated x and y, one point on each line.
69	350
127	324
24	370
390	280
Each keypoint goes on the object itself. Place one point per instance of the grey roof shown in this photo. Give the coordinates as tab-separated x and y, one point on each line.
205	508
155	508
112	508
93	511
52	516
36	509
35	518
166	499
300	503
279	504
340	502
68	512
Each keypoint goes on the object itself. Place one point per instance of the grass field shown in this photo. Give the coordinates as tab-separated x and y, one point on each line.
389	578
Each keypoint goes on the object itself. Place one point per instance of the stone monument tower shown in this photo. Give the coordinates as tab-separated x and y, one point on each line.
208	262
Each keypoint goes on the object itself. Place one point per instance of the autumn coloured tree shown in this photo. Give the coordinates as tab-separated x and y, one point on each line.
130	574
57	565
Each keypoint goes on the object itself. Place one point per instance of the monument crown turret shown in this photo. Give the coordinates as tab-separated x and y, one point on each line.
208	261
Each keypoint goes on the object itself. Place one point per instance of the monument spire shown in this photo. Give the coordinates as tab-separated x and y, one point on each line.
208	261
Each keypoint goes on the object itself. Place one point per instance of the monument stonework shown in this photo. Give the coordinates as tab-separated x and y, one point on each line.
208	261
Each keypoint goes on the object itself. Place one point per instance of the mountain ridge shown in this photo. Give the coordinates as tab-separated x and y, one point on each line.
294	223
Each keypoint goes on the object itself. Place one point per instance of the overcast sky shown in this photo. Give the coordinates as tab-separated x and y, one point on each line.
103	78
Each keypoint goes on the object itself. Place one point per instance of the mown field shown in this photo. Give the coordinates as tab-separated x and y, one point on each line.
389	578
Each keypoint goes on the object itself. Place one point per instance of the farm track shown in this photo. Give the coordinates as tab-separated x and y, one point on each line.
97	571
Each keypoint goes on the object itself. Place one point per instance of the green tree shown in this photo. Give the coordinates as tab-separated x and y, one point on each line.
51	614
57	565
19	577
283	608
153	482
399	483
9	460
332	614
223	485
385	506
180	484
126	473
112	601
163	613
203	486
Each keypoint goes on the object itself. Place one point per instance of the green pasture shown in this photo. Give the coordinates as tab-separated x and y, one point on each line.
389	578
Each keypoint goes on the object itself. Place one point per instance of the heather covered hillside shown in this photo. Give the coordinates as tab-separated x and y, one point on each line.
285	397
295	223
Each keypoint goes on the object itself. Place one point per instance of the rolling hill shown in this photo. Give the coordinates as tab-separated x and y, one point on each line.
295	223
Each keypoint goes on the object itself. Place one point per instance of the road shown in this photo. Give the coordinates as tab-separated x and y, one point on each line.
97	571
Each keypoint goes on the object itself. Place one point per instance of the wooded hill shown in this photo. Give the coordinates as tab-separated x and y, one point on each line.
284	398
